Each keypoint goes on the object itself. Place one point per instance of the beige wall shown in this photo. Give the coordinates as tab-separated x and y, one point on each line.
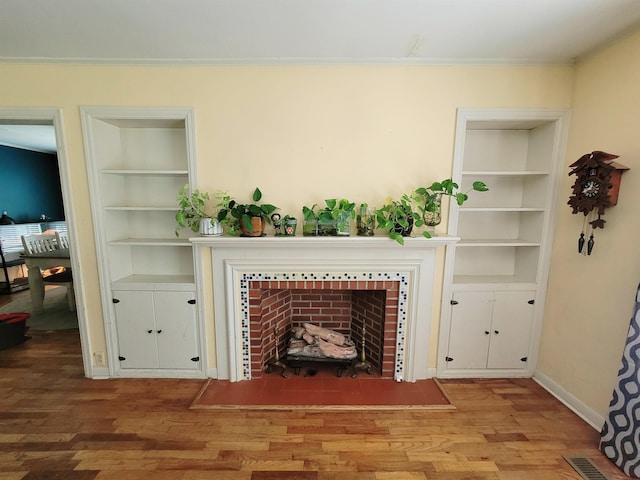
590	298
300	133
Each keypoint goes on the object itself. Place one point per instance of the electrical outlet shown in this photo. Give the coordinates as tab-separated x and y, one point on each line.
99	359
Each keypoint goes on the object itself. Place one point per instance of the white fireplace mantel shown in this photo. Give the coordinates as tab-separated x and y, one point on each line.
233	258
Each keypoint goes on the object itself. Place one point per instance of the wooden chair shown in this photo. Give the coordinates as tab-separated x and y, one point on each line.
48	242
39	243
62	239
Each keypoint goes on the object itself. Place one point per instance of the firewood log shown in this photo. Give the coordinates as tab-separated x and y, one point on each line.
297	332
332	350
325	334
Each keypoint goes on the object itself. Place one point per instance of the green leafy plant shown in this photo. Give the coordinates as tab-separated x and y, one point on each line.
244	212
427	199
366	221
310	220
332	219
224	204
191	208
398	217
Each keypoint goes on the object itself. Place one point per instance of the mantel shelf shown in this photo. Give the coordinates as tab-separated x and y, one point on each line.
310	243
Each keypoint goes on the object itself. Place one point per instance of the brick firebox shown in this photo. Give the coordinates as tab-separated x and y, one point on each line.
341	305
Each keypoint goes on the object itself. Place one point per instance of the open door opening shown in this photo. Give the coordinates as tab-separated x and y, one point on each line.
50	120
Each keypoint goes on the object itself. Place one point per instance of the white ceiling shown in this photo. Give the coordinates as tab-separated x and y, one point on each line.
39	138
421	32
310	31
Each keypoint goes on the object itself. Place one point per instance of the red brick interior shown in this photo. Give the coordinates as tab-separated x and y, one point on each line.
336	304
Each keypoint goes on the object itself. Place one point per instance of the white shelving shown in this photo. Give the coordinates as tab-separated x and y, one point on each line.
505	233
138	159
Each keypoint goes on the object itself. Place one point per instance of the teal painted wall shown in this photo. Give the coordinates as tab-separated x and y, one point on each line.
30	185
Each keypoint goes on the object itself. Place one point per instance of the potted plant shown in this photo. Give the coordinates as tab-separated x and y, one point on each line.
284	226
365	221
398	218
192	214
421	207
343	211
251	217
428	199
331	220
289	226
309	221
230	223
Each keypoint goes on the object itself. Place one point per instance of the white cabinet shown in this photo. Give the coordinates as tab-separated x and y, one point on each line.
156	329
505	235
137	160
490	329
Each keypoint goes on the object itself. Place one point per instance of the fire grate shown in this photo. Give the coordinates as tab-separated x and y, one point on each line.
585	468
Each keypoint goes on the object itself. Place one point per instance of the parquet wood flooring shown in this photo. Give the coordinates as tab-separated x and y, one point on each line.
56	424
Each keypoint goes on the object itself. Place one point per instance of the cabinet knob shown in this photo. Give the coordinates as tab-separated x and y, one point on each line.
487	332
531	302
149	331
191	302
160	331
496	332
115	300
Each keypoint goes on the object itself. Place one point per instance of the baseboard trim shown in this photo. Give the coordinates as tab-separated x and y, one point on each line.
569	400
100	373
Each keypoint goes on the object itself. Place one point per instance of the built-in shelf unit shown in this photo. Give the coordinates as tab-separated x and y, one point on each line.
137	160
497	271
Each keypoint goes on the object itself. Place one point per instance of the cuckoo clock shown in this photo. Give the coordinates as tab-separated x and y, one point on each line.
593	192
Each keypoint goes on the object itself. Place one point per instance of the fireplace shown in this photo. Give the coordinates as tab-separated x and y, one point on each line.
344	306
262	283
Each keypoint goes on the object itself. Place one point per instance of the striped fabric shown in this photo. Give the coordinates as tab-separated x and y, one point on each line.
620	436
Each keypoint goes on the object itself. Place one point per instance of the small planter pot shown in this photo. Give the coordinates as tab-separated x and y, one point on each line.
290	227
405	231
210	226
257	223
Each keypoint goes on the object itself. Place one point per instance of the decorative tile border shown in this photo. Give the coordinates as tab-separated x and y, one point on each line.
315	277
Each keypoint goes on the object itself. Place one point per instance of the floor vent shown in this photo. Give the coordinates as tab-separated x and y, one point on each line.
585	468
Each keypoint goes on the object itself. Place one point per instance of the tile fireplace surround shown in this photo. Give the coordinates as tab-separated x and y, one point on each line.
241	265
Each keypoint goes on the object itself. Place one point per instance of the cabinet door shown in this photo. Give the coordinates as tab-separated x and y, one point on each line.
136	329
176	330
470	329
511	329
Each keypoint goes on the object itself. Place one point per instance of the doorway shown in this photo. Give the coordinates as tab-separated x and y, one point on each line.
53	117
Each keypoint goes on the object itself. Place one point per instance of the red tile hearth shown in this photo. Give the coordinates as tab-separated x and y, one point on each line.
323	390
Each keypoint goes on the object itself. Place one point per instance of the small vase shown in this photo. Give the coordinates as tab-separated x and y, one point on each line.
433	215
327	228
343	225
310	228
365	223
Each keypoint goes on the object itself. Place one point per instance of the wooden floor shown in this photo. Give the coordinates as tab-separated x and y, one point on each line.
56	424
